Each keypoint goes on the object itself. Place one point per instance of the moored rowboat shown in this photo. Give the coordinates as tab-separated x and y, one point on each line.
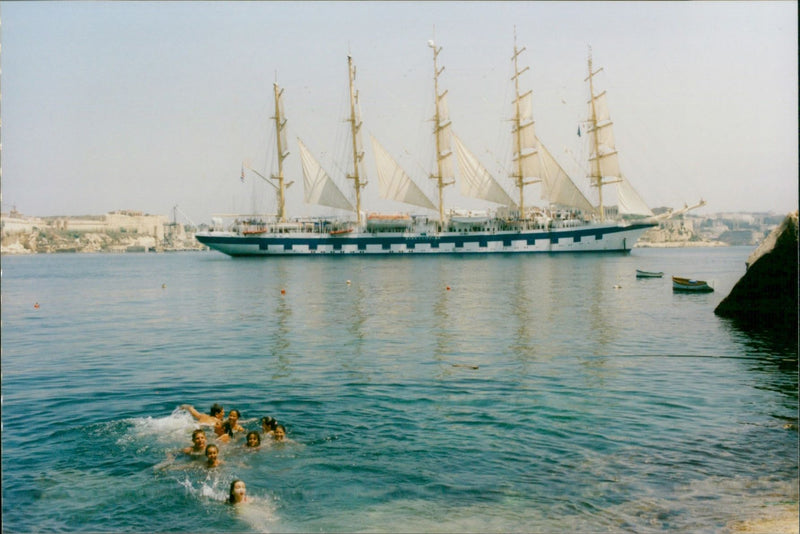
648	274
687	284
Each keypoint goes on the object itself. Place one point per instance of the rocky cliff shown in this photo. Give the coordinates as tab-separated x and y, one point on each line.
766	296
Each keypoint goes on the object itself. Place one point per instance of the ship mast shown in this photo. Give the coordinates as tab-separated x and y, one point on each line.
440	125
605	161
519	176
355	127
596	177
280	125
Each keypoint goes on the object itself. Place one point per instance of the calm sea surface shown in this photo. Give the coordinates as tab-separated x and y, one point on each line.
499	393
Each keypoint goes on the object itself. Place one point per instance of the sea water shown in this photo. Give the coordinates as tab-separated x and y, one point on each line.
490	393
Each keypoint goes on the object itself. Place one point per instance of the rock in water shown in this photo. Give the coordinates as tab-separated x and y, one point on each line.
766	296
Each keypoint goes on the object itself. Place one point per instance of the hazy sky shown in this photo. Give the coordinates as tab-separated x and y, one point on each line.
145	105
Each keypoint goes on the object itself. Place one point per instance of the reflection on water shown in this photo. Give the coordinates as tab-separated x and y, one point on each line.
280	342
442	323
353	311
280	339
765	339
357	316
600	300
522	342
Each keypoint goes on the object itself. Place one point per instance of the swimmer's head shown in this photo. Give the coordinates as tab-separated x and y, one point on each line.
234	415
217	411
227	428
212	453
268	424
199	439
253	439
238	492
280	433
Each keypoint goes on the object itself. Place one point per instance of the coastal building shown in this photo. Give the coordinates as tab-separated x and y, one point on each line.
126	221
16	223
116	231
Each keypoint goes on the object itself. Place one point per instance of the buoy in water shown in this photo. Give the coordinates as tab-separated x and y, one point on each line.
348	282
36	305
283	291
163	286
447	288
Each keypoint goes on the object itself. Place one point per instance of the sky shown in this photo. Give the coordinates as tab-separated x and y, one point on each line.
150	105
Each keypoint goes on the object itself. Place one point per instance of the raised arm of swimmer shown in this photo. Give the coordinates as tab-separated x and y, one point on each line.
214	416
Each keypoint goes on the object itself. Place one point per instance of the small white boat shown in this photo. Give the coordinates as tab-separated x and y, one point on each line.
648	274
690	285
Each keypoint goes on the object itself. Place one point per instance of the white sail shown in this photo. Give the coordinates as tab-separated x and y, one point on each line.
536	163
525	146
444	134
476	181
601	108
533	163
525	106
606	153
394	183
557	187
525	142
630	203
281	125
318	187
604	160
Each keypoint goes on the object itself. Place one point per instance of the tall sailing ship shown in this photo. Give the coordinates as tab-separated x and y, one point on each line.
568	223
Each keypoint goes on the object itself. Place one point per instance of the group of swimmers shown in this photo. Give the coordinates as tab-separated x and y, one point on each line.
225	430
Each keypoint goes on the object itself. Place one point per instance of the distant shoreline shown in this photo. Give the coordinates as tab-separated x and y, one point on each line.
25	252
21	251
